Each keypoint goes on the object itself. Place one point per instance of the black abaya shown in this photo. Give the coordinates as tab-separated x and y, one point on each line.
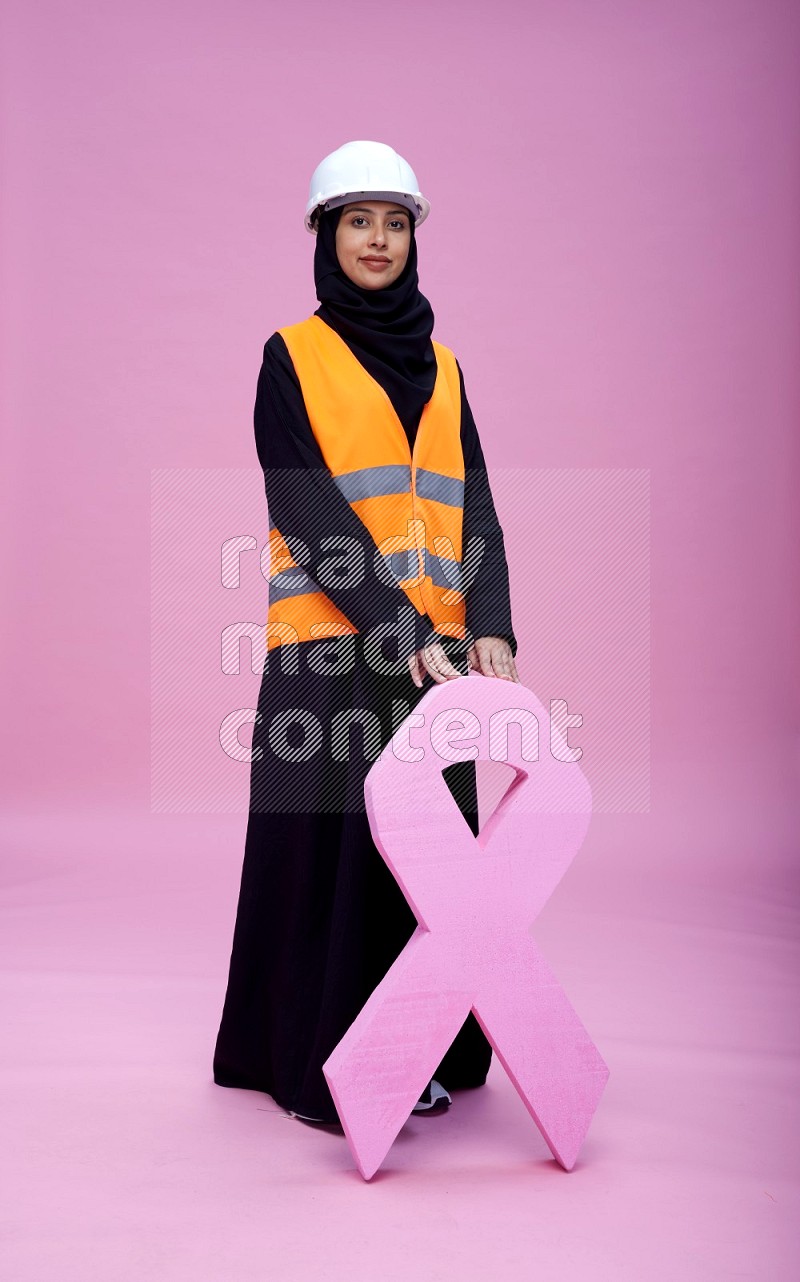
320	918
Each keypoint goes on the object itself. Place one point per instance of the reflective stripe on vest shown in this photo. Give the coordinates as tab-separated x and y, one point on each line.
411	504
444	572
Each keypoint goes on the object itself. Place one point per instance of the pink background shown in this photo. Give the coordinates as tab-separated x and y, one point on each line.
612	253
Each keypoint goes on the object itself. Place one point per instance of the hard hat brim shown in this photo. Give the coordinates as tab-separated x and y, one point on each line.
414	202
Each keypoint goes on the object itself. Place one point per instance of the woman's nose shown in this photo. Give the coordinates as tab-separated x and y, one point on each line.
378	236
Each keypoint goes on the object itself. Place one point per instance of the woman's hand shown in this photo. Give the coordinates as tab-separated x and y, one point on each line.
432	659
492	656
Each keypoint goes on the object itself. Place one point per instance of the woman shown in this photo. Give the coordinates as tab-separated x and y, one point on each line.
364	434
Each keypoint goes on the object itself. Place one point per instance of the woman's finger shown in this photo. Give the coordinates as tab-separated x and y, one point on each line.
508	666
414	669
430	666
485	660
438	664
500	657
448	667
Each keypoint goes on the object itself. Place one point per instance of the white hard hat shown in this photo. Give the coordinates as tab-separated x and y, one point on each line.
364	169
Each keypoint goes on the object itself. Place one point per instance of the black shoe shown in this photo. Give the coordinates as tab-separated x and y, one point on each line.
317	1121
434	1099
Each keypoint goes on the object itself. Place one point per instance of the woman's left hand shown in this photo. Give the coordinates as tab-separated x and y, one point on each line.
492	656
433	660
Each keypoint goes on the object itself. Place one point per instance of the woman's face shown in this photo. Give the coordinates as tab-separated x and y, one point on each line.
373	238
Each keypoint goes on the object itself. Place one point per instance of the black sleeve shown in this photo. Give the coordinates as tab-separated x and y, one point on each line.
488	597
305	503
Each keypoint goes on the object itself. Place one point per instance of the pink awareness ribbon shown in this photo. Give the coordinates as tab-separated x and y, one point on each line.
474	900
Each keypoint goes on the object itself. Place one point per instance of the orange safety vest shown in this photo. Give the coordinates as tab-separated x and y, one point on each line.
412	504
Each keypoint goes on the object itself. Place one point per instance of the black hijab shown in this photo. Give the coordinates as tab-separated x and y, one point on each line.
387	330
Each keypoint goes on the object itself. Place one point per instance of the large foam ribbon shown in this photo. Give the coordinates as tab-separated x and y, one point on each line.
475	900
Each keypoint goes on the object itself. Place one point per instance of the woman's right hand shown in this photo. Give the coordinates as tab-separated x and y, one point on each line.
432	659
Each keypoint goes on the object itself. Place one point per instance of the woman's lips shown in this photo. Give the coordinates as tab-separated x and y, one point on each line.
375	263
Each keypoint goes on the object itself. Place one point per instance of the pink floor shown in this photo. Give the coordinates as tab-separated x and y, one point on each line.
124	1161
